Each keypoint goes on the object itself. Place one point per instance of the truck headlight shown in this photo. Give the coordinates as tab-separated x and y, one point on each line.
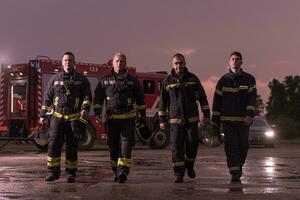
270	134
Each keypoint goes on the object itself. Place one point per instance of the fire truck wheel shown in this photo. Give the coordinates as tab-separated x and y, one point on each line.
160	139
88	139
41	143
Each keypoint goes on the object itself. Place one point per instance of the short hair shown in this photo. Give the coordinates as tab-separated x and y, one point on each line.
120	55
179	55
236	53
69	53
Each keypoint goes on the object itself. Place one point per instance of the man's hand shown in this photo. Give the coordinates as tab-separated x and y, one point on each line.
98	119
204	122
248	120
101	119
42	120
162	126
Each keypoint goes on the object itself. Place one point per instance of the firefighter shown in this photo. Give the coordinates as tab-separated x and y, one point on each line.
234	108
179	95
119	93
68	97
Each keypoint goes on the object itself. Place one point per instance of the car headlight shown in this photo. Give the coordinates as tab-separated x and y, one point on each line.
270	134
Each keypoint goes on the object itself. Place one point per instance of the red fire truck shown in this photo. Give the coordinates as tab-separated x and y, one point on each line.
21	94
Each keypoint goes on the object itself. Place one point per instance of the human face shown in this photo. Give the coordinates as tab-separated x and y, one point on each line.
68	63
178	65
119	63
235	63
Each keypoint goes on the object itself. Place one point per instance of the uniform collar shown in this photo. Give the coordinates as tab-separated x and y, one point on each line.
185	72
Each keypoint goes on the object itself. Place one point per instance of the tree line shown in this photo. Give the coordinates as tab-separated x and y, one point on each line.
283	106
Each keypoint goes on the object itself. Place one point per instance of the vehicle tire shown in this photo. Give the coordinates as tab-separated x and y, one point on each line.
160	139
88	139
41	143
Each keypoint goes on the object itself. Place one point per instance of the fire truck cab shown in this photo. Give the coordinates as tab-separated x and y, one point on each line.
21	96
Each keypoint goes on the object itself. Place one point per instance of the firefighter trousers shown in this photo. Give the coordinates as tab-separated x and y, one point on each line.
60	132
120	138
184	142
236	144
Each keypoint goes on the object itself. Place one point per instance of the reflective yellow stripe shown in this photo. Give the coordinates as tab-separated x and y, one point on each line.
83	120
58	115
194	119
71	117
251	89
250	108
172	86
67	91
205	107
114	163
243	87
76	103
219	92
86	102
178	164
55	101
190	83
234	168
124	116
97	106
46	108
162	113
53	164
53	161
234	119
189	159
141	107
124	162
175	121
66	117
71	164
230	89
216	113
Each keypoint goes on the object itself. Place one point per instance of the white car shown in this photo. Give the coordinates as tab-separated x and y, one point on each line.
261	133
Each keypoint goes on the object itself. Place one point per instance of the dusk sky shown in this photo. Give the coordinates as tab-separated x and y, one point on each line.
149	32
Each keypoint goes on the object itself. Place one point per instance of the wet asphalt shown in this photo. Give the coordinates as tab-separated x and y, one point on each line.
269	173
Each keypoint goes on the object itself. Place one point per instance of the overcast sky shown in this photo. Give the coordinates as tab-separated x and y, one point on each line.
150	32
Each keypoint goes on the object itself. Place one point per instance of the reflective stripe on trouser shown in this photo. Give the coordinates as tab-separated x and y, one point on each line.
236	145
184	141
120	139
53	161
59	132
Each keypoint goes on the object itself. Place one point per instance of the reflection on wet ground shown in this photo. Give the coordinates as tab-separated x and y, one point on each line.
265	175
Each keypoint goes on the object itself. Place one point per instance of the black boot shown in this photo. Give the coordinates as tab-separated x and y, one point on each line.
52	176
71	178
122	174
71	175
189	165
191	173
53	173
178	179
122	178
236	176
115	177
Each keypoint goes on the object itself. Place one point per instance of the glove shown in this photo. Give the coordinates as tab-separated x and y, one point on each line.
78	128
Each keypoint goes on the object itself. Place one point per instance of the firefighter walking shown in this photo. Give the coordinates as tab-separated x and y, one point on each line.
68	97
234	107
120	93
179	95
